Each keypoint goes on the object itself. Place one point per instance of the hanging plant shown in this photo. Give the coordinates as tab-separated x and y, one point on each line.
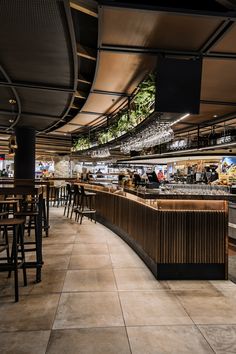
82	144
145	97
140	109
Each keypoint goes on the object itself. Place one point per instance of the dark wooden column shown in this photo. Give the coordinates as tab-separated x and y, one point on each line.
24	161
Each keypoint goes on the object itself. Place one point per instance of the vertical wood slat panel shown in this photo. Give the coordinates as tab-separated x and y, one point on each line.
168	236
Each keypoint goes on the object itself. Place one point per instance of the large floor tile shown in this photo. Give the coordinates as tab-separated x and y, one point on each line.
33	312
89	341
130	260
89	237
222	338
137	279
190	285
58	239
152	308
89	280
99	261
167	340
88	309
209	308
57	250
120	249
115	240
223	285
55	262
90	249
7	286
24	342
52	282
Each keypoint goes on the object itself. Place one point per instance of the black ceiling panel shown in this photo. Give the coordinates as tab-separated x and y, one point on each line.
36	101
4	119
37	122
33	43
6	94
38	56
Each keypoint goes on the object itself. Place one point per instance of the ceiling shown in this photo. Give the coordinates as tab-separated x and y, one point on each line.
67	66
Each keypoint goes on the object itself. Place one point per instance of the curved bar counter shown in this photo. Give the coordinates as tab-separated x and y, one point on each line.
177	239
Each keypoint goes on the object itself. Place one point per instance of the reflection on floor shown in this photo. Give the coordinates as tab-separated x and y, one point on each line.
97	297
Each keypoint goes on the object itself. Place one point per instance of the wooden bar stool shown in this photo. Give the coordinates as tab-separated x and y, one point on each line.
9	206
87	205
15	261
69	197
76	199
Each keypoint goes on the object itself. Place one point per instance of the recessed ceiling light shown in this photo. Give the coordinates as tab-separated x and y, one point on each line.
215	116
12	101
11	120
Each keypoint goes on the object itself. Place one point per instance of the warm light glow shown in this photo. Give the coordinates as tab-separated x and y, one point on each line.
179	119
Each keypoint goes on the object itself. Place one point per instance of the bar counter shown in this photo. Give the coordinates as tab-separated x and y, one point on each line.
177	239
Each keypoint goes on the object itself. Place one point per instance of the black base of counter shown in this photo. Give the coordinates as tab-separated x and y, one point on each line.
190	271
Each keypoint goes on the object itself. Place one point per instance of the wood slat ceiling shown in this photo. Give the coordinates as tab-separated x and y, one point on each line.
115	47
130	39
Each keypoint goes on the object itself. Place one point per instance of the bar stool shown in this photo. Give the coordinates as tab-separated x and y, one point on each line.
87	205
9	205
29	211
4	242
70	193
76	200
13	262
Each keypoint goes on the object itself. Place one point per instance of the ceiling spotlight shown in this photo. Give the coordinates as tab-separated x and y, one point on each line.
215	116
12	101
11	120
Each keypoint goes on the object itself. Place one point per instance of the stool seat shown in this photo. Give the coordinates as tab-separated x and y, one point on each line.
26	213
3	213
11	222
13	198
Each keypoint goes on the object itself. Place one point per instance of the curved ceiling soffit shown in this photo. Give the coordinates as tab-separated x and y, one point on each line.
16	98
101	89
75	65
84	17
20	77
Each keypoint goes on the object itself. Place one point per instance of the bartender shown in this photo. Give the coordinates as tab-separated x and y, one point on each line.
153	180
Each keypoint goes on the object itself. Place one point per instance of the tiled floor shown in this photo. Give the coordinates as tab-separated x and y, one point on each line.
97	297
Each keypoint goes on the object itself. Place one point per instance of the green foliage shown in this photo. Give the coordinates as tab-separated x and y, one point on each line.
82	144
140	109
145	97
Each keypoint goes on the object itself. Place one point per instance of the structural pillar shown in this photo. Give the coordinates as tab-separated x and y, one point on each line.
24	161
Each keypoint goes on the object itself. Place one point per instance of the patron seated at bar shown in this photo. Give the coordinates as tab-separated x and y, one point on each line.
99	173
136	178
4	173
153	180
160	176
